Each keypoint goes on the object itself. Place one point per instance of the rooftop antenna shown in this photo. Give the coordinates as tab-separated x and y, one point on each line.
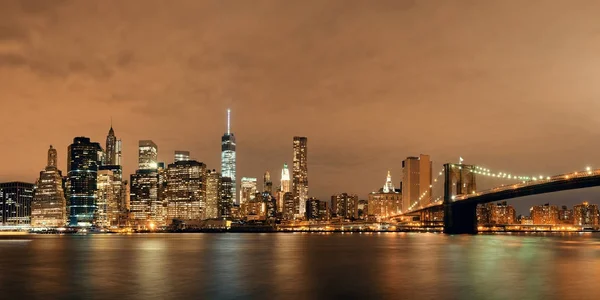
228	121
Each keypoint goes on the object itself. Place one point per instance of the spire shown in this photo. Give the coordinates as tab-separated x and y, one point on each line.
111	132
389	185
52	157
228	121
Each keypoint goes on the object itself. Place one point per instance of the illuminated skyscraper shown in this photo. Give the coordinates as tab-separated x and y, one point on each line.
225	198
416	181
300	174
182	155
113	149
247	193
285	179
389	185
213	185
144	204
186	190
228	154
147	155
107	199
49	205
84	157
267	183
15	203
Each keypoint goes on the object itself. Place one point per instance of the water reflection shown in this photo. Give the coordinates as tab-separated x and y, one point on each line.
301	266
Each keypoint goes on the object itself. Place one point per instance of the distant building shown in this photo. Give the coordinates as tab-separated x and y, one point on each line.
544	214
586	215
228	157
147	155
501	213
226	198
182	155
119	189
416	181
107	212
300	175
345	205
525	220
270	206
213	186
248	192
316	210
565	215
289	206
386	202
113	148
363	209
84	157
267	183
186	190
284	188
15	203
143	197
49	205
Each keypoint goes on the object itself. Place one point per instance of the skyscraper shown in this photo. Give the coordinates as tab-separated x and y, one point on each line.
15	203
247	193
83	158
148	155
225	198
186	190
213	185
267	183
416	181
300	174
228	154
143	197
106	199
182	155
386	202
283	188
113	148
49	205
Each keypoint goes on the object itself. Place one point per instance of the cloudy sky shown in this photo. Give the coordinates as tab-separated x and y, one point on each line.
511	85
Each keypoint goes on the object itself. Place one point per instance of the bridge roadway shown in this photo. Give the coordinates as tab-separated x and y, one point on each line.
460	210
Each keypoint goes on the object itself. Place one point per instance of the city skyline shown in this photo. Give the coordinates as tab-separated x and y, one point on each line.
518	101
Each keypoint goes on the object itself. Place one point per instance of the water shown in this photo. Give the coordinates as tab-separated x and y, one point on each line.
300	266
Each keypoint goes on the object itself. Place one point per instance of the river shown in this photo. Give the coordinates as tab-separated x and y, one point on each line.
301	266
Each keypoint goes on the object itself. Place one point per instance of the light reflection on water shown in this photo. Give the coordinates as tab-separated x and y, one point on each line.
301	266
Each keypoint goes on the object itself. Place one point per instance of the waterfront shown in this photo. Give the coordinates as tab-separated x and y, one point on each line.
301	266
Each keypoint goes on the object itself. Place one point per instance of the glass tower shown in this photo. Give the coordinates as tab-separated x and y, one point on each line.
228	154
82	171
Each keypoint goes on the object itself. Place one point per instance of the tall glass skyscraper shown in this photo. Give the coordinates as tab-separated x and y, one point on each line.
228	155
82	171
300	174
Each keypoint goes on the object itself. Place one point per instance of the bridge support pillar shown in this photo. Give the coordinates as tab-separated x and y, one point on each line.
460	218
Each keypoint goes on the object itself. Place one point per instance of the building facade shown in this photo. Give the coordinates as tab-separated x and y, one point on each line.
49	205
300	175
186	191
248	192
84	158
386	202
113	149
228	159
345	206
107	199
316	210
586	215
416	181
144	203
181	155
284	187
147	155
15	203
544	214
213	186
226	197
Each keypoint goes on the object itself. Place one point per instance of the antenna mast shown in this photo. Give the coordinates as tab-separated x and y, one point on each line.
228	121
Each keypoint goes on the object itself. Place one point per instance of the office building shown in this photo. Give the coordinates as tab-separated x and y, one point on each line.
144	203
49	205
182	155
213	186
386	202
586	215
284	188
565	216
225	198
107	199
113	149
416	181
300	175
345	206
289	206
247	193
544	214
267	183
147	155
15	203
84	157
186	191
316	210
228	155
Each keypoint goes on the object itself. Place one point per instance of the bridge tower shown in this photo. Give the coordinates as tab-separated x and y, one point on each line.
459	179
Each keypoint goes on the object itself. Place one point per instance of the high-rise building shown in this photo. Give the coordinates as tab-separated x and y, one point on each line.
247	193
144	203
416	181
386	202
289	206
316	210
267	183
225	198
186	191
300	175
586	215
49	205
15	203
213	186
228	154
544	214
119	190
565	215
113	148
283	188
345	205
83	158
107	199
270	205
147	155
182	155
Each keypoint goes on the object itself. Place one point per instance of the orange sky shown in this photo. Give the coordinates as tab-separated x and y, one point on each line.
512	85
